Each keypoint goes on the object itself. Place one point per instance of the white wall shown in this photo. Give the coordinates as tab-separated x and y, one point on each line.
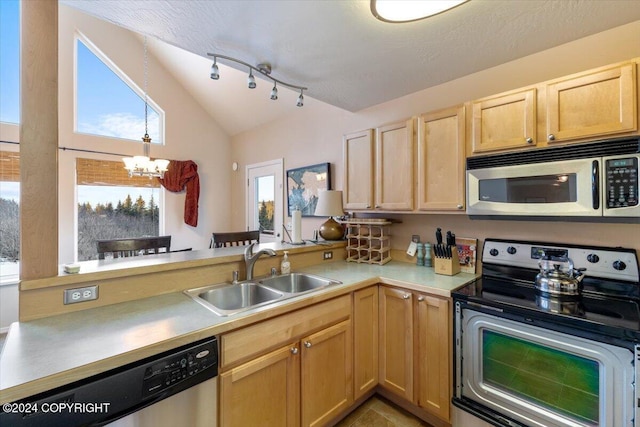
190	134
314	135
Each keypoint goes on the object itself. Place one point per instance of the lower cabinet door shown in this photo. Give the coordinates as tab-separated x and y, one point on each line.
365	340
326	374
262	392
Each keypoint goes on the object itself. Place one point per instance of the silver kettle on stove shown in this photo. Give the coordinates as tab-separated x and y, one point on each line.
557	276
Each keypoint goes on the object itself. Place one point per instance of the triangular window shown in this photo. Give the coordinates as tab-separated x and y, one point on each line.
108	103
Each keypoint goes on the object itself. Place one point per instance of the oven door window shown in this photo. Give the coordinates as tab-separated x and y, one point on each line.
559	381
530	189
542	377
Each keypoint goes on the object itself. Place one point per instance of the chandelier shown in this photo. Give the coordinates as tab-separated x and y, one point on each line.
143	165
263	69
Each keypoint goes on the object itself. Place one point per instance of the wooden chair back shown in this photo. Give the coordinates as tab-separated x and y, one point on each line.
134	247
240	238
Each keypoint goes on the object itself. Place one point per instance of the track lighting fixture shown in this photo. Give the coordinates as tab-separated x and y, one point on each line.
264	69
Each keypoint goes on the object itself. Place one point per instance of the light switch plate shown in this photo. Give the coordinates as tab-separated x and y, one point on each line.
413	247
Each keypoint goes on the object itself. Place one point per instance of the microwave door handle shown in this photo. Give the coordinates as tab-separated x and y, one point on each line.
595	184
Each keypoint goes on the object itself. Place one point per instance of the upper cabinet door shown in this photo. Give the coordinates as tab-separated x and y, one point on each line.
592	104
504	121
358	170
394	166
441	167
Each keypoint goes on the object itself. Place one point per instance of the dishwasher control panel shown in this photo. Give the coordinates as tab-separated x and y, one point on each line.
181	366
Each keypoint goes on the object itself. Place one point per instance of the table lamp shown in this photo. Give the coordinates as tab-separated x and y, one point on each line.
330	204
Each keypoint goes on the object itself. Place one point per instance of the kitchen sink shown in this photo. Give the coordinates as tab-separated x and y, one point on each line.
297	283
229	299
226	299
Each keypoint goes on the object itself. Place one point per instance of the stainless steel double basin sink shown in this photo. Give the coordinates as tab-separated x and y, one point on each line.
227	299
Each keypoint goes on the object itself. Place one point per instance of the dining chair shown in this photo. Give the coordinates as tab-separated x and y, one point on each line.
236	238
134	246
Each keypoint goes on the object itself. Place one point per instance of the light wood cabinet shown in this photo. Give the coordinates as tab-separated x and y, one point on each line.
263	392
326	373
433	358
441	155
592	104
394	166
291	370
504	121
581	107
396	342
358	153
365	341
378	172
415	349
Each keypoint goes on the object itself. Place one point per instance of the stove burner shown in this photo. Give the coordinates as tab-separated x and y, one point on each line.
560	305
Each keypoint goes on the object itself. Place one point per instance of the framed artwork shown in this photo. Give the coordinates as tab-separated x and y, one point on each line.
467	254
303	186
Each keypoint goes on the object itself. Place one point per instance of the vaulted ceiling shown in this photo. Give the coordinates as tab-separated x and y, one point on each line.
345	56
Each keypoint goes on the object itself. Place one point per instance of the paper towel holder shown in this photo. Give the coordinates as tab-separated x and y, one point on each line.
290	242
330	204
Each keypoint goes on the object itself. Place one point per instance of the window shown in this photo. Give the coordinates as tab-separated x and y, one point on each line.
112	206
10	61
107	102
9	213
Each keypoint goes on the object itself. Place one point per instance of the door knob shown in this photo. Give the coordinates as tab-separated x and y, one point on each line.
294	350
406	296
421	298
307	344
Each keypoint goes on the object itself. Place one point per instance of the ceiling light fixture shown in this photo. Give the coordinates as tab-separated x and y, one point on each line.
410	10
143	165
264	69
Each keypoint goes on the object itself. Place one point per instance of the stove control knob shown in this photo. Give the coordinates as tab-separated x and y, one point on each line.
593	258
619	265
493	252
511	250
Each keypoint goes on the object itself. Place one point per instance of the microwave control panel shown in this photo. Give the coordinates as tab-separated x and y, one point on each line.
622	182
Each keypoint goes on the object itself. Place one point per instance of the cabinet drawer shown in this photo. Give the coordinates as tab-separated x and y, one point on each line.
245	344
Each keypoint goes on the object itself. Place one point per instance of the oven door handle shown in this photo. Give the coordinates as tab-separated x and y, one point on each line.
595	184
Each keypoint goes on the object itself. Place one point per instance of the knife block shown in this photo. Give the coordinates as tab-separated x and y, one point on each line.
448	266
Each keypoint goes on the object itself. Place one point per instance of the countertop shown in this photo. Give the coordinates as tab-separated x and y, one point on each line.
42	354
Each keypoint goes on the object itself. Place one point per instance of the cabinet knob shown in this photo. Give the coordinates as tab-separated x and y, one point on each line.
529	140
294	350
420	298
551	137
459	206
307	344
368	206
406	296
378	206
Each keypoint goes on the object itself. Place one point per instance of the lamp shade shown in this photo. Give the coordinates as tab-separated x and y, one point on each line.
329	203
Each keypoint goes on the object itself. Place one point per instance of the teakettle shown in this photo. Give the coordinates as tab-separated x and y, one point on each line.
553	280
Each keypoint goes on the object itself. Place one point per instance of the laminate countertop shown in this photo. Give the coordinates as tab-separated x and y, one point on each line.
43	354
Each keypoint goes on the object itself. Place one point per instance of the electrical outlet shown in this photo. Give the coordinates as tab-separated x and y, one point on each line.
72	296
327	255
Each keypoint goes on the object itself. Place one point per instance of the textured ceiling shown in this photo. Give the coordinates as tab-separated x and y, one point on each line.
336	48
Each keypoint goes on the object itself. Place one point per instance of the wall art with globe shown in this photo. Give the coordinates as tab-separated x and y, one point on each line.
303	186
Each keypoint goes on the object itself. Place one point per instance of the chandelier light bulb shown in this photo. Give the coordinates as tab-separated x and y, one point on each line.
215	73
300	100
251	81
274	92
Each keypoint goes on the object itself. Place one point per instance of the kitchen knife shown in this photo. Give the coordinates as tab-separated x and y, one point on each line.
439	236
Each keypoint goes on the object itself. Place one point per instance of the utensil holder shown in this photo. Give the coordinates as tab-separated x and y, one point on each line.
448	266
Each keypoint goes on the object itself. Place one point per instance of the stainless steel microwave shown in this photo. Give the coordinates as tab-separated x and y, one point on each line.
597	179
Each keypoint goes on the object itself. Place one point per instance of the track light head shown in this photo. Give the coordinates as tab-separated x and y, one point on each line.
274	92
300	100
251	81
215	73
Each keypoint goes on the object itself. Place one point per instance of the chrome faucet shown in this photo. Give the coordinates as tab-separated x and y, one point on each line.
250	258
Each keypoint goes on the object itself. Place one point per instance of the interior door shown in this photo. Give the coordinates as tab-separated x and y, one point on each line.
264	199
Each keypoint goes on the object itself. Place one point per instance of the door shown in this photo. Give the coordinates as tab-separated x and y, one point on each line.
441	166
504	121
262	392
394	166
358	170
433	359
396	342
265	200
365	339
326	374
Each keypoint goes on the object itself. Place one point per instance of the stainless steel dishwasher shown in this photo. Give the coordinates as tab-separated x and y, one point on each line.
177	387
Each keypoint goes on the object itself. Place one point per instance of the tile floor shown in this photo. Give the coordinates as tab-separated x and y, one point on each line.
379	412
